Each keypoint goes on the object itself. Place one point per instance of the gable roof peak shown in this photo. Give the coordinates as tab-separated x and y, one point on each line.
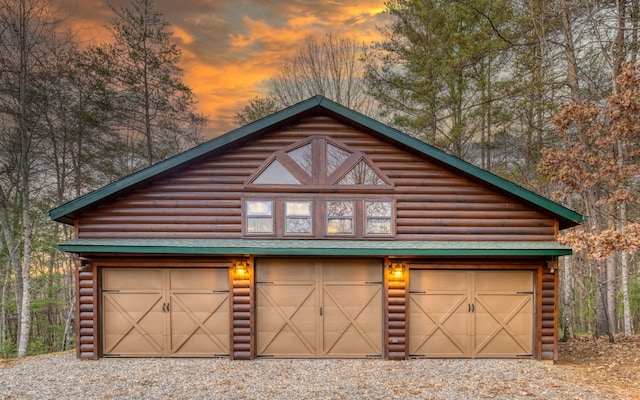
66	212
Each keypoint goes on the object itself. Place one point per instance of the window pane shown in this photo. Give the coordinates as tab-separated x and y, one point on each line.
276	174
297	208
340	208
259	225
302	156
297	216
340	217
259	207
335	157
378	208
298	225
361	174
340	226
378	226
259	216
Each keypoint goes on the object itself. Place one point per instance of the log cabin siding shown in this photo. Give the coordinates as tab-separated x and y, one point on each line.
87	314
204	201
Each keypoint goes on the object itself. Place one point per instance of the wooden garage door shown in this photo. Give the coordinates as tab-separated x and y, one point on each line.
165	312
471	313
319	308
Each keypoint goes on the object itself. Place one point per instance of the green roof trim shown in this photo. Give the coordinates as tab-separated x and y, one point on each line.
64	213
281	247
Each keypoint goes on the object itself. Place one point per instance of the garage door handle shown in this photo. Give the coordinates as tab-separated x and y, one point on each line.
320	311
471	307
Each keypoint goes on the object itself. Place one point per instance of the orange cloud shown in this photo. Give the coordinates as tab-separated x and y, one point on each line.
230	49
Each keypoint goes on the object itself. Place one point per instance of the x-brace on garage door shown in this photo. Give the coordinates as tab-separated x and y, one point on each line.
165	312
319	308
471	313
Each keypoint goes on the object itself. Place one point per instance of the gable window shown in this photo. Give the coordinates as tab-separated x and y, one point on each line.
378	218
362	174
321	162
303	157
259	216
340	217
276	174
297	217
335	157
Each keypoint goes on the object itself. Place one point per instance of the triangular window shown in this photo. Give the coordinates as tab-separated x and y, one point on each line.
302	157
335	157
362	174
276	174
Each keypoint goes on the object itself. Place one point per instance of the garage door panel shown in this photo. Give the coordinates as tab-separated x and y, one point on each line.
286	319
199	324
438	324
504	324
318	308
133	324
132	279
165	312
199	279
352	320
278	270
471	313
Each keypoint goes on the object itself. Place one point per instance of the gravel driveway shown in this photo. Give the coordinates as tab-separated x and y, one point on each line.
62	376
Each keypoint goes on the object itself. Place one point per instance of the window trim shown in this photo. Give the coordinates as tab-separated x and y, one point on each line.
285	217
246	216
353	218
391	218
319	180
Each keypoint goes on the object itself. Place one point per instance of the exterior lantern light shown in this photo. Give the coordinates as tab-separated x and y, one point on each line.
240	269
397	270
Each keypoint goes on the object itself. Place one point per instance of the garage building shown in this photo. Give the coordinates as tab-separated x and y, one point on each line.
316	232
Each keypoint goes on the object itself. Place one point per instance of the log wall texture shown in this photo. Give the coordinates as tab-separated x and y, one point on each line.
397	295
548	319
87	346
204	200
242	316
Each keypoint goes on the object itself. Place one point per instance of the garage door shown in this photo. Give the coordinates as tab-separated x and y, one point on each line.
319	308
471	313
165	312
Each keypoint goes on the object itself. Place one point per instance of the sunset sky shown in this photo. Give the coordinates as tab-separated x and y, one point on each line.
230	48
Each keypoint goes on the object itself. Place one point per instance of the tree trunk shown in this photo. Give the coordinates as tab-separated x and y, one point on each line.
23	126
626	306
3	301
567	300
611	294
570	54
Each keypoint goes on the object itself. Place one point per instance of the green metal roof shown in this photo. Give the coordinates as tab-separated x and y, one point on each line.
285	247
65	212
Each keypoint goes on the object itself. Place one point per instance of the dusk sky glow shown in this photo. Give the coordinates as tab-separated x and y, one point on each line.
231	48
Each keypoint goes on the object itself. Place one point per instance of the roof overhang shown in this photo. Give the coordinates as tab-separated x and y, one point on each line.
263	247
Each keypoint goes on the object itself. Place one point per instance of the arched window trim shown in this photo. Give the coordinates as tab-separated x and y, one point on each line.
319	178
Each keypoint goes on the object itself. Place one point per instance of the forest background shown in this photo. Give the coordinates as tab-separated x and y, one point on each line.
543	93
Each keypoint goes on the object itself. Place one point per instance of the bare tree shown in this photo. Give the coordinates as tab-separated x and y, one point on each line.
27	29
330	68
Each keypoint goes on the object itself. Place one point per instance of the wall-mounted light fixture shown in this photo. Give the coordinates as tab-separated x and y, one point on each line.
397	270
240	269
